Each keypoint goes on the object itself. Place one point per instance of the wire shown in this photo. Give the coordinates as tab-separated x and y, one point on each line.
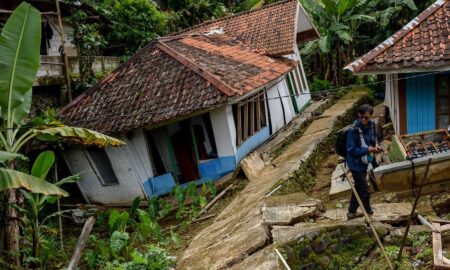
143	113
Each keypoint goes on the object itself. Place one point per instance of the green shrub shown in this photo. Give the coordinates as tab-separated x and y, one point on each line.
320	85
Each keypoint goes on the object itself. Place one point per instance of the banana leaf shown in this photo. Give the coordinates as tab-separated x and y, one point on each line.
77	135
19	62
10	179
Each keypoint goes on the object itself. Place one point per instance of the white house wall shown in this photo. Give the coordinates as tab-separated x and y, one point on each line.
392	100
279	100
55	41
93	190
224	131
139	153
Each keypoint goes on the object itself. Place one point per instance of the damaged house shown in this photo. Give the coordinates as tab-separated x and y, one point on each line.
50	87
191	105
416	63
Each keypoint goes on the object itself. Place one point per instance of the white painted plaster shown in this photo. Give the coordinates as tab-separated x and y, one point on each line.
129	186
139	153
224	130
160	137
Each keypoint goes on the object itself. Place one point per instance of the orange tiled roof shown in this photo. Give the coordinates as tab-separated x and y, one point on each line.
190	72
423	44
270	29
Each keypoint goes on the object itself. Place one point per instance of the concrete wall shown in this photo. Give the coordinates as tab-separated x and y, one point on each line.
93	190
52	68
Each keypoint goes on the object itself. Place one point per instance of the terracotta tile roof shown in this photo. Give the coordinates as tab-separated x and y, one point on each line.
149	88
178	75
239	68
423	44
270	29
172	78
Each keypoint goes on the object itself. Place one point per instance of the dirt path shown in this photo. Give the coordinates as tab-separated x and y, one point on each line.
240	231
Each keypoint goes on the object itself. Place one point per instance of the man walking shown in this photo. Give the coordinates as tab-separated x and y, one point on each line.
362	144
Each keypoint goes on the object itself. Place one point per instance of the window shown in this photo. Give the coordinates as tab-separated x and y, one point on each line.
101	164
155	157
249	117
297	82
443	101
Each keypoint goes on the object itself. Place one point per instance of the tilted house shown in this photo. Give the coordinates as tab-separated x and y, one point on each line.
415	60
190	106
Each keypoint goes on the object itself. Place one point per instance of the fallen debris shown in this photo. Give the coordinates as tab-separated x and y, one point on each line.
440	262
290	209
339	184
391	213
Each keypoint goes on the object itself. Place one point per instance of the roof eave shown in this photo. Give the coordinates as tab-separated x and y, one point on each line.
403	70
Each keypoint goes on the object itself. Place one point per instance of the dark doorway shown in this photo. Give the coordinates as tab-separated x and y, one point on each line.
184	153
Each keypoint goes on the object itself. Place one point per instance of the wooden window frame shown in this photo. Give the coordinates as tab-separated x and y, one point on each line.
97	171
436	99
249	117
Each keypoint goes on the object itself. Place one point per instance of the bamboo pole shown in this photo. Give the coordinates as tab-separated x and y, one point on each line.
58	202
413	210
366	216
63	52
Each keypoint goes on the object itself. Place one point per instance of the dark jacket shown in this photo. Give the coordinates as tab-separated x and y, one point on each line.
356	149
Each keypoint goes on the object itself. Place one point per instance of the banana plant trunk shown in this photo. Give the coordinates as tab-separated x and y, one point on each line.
12	228
12	225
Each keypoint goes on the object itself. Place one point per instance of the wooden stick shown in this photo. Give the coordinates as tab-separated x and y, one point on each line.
81	243
221	194
413	210
366	216
63	51
282	260
218	197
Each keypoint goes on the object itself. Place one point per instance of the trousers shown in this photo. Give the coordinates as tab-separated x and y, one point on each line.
362	188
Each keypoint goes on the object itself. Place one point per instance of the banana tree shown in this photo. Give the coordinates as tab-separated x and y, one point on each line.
19	50
35	220
19	62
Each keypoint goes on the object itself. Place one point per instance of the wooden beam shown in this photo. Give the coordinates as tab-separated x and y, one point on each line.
238	125
258	113
402	104
252	117
245	128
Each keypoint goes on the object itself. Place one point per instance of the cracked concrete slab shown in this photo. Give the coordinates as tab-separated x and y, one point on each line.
290	209
265	259
383	212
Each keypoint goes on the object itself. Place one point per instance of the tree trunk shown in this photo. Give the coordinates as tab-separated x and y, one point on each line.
12	228
12	225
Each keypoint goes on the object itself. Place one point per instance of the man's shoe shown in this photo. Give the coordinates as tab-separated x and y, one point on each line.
354	215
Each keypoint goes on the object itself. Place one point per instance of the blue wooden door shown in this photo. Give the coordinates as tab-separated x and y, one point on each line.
420	103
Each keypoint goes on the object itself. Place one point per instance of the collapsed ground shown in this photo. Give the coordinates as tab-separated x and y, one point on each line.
310	230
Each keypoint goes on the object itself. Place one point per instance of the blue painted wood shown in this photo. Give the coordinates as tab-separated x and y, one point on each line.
251	143
420	103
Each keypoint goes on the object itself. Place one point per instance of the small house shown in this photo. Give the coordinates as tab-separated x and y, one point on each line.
49	87
190	106
416	61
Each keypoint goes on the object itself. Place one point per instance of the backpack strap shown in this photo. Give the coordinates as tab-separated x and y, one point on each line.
372	133
358	135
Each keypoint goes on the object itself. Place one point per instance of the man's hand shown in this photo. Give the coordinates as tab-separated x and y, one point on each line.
375	149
